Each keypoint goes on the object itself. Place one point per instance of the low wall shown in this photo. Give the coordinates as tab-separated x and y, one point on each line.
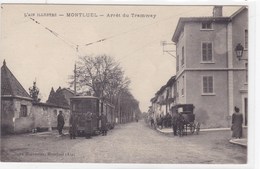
45	116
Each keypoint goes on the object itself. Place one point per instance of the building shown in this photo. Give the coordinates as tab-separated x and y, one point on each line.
209	74
61	97
19	113
164	99
16	104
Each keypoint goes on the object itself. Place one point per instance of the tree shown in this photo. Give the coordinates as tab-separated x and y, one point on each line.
101	75
34	92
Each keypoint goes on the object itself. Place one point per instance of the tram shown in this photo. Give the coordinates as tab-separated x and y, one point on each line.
81	105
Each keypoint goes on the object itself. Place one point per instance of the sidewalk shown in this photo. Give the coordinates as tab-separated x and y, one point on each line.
241	142
49	133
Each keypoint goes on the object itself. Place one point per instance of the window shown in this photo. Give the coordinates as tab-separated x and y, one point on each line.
206	25
207	84
23	111
182	90
246	65
56	113
177	63
207	52
246	39
177	89
182	56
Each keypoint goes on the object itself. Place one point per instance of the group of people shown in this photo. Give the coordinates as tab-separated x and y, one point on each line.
164	121
73	122
176	121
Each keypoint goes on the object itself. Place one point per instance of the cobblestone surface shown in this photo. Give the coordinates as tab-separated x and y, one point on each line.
129	143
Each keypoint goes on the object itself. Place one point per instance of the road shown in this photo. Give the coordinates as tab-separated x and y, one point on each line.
128	143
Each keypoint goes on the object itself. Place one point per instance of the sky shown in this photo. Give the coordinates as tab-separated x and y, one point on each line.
34	53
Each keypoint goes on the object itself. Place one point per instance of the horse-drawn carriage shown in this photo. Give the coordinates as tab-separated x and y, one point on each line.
185	120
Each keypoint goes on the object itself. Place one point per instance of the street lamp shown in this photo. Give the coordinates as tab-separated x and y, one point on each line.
239	51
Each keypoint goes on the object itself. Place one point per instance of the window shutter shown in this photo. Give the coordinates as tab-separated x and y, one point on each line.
204	52
205	84
209	51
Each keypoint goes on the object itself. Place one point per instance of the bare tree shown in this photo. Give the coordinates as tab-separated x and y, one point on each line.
101	75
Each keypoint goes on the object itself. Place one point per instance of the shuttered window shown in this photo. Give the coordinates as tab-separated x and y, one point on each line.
182	56
177	63
207	52
23	111
246	39
207	84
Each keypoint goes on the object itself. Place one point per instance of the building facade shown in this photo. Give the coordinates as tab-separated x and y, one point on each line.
209	75
19	113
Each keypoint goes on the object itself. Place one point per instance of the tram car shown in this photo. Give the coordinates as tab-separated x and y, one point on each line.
81	105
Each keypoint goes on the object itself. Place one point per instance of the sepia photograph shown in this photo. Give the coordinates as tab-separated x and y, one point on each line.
125	84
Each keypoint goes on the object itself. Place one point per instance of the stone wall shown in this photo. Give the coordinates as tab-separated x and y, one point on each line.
7	114
39	115
45	116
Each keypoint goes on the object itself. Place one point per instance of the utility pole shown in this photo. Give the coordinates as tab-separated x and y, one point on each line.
164	43
75	80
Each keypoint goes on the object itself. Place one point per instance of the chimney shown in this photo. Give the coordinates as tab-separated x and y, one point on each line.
217	11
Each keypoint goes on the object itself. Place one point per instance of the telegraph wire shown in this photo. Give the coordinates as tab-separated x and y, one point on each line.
72	45
135	29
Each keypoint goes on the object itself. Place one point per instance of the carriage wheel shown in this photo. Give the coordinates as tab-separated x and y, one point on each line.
197	128
192	128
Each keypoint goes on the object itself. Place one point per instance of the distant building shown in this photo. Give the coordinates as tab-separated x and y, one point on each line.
164	99
61	97
209	75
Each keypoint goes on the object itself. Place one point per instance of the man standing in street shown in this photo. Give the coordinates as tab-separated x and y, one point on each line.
88	126
103	119
237	121
60	120
174	121
73	126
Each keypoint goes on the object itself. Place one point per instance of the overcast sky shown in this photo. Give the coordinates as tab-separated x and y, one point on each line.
32	52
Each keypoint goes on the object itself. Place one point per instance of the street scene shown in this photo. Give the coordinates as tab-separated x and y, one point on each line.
137	84
130	143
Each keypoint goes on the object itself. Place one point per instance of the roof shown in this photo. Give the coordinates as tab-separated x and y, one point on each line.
238	12
170	81
183	20
10	86
50	105
69	90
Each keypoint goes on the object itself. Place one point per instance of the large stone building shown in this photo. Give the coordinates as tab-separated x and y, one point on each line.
209	74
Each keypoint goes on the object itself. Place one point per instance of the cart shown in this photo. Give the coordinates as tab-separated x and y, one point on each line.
186	119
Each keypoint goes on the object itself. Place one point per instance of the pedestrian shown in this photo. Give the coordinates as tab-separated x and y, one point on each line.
152	122
168	120
60	124
73	126
174	121
237	121
103	119
180	124
88	125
